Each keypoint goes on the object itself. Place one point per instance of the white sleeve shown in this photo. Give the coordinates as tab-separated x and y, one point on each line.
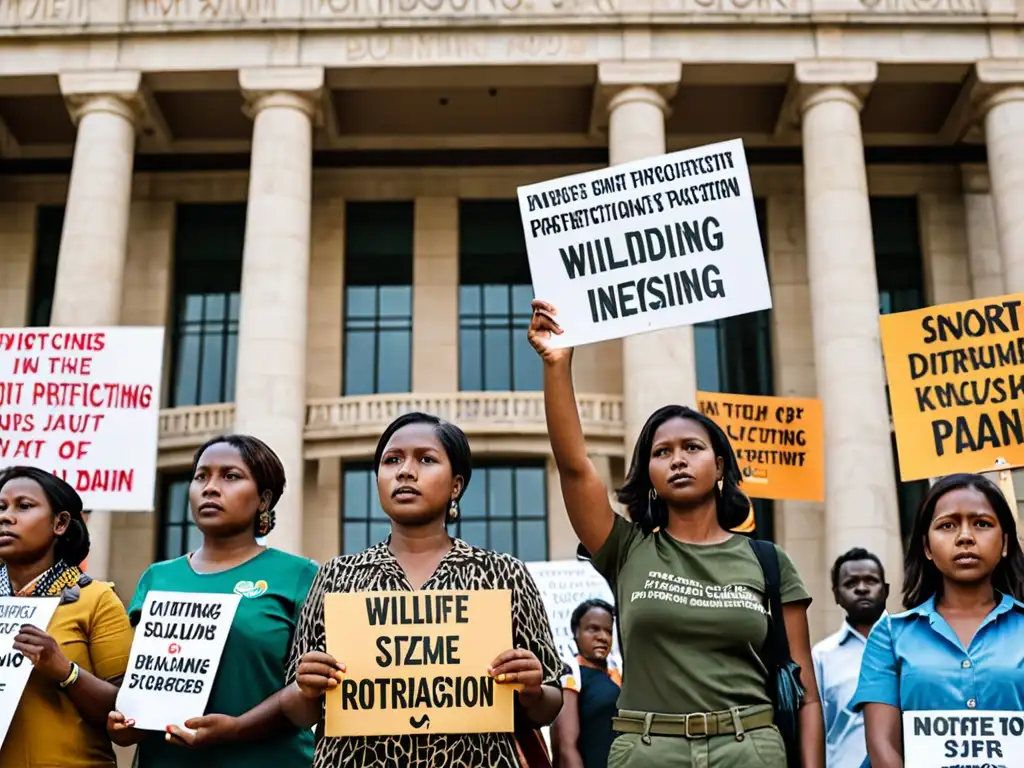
571	680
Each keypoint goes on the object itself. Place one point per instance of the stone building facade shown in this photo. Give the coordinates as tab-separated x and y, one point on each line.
316	199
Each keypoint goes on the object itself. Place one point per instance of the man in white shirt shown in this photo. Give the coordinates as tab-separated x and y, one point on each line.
859	587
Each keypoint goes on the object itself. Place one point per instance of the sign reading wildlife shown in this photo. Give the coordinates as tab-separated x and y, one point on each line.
779	443
956	384
657	243
563	585
967	739
15	669
84	403
416	662
177	648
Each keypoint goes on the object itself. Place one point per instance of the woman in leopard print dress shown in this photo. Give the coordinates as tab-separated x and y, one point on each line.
423	466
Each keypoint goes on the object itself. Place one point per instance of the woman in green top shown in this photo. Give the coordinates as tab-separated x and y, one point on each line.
237	481
690	593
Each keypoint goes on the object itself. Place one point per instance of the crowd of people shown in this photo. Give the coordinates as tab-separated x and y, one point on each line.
717	666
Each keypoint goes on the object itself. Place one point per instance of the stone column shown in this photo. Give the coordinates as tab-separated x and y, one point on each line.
860	484
658	367
270	394
94	243
984	264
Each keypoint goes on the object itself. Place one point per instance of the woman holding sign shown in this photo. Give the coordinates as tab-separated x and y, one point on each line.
237	481
80	658
690	593
423	466
959	647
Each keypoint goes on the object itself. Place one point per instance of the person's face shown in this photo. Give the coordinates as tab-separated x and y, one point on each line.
861	591
28	526
414	480
594	635
223	494
683	466
965	540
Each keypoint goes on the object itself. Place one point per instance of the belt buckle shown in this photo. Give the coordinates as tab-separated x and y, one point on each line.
704	719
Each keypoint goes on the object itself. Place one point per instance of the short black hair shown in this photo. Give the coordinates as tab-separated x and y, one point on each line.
583	608
72	546
852	556
452	439
265	466
732	504
922	579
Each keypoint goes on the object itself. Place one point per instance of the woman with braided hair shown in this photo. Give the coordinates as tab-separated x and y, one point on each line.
80	657
237	481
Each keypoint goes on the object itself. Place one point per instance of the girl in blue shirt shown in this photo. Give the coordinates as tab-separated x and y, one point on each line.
958	646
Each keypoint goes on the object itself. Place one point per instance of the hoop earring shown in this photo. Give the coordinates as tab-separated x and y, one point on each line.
651	497
453	511
264	526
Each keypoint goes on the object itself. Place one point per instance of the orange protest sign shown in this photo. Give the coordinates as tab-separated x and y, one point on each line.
417	662
778	442
956	381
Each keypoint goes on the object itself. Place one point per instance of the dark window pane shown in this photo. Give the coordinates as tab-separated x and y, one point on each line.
49	227
177	534
531	536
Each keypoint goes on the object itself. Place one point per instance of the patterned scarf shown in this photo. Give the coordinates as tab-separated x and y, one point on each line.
51	583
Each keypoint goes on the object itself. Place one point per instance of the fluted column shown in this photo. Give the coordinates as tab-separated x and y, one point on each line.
270	394
90	269
986	269
658	368
860	485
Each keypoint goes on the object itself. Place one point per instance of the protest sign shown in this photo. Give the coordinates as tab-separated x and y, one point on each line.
956	382
177	648
84	403
563	585
416	662
15	669
656	243
966	739
779	442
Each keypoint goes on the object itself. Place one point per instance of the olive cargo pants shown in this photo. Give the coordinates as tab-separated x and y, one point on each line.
760	748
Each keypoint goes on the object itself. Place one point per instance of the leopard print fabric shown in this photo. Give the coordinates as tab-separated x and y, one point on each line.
463	568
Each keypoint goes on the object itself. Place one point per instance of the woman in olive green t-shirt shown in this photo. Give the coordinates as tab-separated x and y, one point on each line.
236	482
690	593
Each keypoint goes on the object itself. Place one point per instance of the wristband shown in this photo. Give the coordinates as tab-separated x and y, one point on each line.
71	678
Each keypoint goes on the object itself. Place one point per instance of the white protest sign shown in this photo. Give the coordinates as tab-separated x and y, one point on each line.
657	243
563	585
15	669
84	403
177	648
963	739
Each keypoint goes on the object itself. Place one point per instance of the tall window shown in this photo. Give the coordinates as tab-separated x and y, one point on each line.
494	299
504	509
378	298
734	355
899	263
49	225
177	535
208	245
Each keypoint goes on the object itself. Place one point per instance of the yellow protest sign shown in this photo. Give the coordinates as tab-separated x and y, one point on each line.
417	662
956	385
779	443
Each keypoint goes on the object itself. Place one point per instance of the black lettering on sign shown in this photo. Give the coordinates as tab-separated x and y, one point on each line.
417	650
183	609
415	609
164	683
179	630
397	693
1003	428
14	659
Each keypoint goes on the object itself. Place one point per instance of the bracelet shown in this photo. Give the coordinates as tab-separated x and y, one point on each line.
71	678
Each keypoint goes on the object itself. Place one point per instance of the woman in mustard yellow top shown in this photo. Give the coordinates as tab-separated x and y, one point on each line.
81	657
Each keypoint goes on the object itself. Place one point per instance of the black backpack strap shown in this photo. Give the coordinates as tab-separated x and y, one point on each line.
776	648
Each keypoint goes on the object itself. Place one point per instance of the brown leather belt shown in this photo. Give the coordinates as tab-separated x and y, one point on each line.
696	725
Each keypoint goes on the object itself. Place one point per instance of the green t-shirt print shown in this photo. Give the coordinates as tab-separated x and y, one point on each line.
692	618
273	586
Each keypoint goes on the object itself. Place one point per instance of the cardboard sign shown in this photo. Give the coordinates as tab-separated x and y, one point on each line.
967	739
177	648
563	585
84	403
417	662
956	385
15	669
657	243
779	443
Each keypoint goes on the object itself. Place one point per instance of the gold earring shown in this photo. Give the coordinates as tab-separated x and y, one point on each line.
720	484
453	511
264	527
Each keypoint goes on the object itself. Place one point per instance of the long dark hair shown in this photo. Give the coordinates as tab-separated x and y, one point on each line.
732	504
72	546
922	579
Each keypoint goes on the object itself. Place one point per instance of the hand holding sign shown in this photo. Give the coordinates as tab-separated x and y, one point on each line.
318	673
203	731
121	730
519	667
44	653
542	327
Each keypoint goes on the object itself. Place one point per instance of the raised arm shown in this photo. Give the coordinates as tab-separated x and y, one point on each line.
585	494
